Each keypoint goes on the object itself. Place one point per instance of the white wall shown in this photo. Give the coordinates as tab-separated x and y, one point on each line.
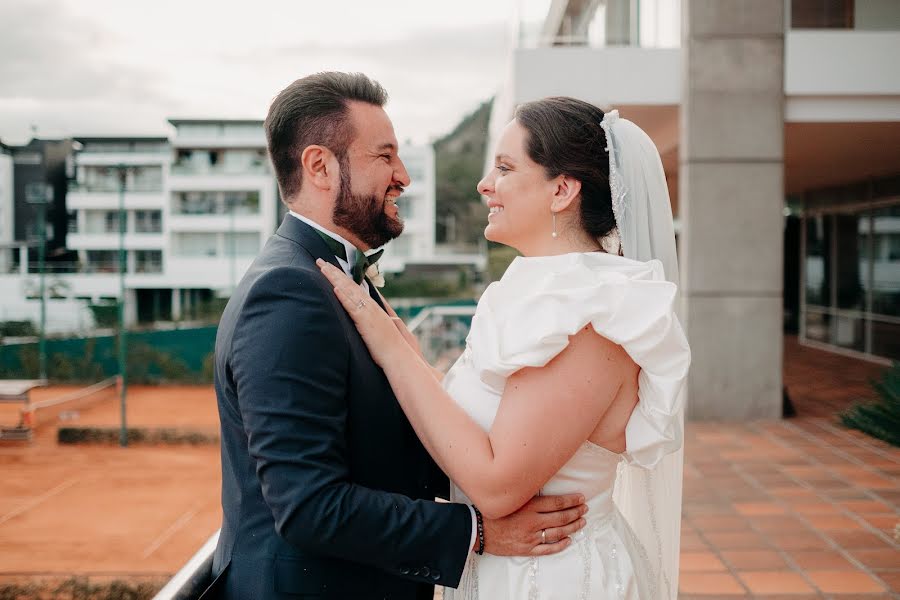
603	76
841	63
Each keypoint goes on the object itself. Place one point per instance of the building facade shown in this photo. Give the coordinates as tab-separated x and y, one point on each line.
778	122
198	206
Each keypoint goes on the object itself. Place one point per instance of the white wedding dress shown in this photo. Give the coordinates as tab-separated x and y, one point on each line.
524	320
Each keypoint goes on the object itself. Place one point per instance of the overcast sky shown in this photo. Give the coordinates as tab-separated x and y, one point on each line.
122	67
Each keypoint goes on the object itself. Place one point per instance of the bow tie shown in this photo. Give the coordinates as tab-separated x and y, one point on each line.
363	262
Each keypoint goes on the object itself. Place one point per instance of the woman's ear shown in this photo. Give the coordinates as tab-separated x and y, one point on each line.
565	191
320	167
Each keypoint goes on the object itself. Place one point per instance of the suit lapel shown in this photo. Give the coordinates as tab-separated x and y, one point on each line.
299	232
375	295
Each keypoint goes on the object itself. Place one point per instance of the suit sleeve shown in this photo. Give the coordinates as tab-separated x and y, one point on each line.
290	361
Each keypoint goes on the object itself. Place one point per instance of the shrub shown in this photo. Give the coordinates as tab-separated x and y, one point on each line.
880	418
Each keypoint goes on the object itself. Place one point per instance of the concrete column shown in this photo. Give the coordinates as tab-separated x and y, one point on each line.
731	195
130	307
176	304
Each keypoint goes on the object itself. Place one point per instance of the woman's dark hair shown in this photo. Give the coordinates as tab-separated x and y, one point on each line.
313	110
565	137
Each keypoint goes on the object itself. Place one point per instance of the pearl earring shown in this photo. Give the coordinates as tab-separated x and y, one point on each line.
554	225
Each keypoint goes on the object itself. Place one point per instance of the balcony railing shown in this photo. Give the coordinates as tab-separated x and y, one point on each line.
192	169
613	23
112	187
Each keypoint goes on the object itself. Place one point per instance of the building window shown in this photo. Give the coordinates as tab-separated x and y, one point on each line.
194	203
101	261
241	244
72	225
851	276
822	14
148	261
196	244
148	221
111	219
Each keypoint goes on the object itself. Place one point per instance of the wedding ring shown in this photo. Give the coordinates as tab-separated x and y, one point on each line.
543	536
361	304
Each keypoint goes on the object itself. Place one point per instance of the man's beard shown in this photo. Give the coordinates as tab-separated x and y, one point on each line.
363	214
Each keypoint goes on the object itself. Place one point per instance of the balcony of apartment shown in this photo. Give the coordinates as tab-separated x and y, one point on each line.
203	133
209	211
98	187
220	169
99	229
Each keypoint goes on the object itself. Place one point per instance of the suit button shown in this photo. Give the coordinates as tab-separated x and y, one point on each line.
435	575
426	571
416	572
404	570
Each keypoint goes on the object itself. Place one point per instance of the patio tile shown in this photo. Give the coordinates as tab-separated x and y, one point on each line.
701	561
730	540
759	508
878	559
816	508
775	582
711	584
864	507
692	542
892	580
782	524
844	582
820	560
720	523
860	540
885	523
798	541
754	560
833	522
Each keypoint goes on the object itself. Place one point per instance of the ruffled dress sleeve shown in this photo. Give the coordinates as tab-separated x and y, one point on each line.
526	319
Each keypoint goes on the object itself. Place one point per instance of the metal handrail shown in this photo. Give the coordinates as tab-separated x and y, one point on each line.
194	577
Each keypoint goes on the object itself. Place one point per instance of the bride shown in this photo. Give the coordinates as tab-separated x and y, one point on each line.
572	376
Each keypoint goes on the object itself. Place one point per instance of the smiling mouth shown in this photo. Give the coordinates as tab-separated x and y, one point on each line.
495	209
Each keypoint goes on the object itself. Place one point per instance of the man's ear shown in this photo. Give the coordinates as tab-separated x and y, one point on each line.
566	189
320	167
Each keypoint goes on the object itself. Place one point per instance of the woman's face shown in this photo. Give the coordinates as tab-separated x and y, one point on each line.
518	193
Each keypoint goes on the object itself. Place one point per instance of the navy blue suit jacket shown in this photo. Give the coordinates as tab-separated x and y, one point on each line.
326	491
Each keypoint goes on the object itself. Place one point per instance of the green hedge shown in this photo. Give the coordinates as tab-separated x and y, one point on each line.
171	356
135	435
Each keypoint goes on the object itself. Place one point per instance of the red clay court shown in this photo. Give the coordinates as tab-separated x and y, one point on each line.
799	509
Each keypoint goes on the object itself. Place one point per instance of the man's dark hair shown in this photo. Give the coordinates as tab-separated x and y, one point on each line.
313	111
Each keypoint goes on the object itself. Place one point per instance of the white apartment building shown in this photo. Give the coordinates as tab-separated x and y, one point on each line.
417	208
221	206
198	208
110	170
778	122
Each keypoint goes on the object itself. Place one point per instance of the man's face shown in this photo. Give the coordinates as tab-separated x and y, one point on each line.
372	177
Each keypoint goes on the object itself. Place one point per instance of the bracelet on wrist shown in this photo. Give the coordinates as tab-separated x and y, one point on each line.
480	530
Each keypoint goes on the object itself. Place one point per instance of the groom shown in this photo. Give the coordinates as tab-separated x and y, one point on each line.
326	491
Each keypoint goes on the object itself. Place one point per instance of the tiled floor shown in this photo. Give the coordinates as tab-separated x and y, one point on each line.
800	508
